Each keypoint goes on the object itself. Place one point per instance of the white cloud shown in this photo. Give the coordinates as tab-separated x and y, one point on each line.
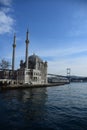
6	2
78	66
6	20
61	52
63	58
6	23
5	9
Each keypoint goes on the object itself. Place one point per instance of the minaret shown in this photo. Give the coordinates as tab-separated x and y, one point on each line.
13	56
26	57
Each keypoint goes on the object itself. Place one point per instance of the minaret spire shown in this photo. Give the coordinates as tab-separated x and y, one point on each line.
27	35
27	42
13	56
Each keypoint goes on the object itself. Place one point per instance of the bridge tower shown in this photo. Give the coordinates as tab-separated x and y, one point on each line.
68	73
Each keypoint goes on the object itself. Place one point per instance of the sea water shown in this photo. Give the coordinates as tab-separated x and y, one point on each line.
50	108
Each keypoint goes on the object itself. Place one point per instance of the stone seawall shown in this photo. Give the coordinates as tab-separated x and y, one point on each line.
8	87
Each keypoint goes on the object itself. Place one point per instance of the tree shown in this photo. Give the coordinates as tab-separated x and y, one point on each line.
4	64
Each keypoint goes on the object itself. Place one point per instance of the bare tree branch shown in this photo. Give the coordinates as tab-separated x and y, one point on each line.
4	64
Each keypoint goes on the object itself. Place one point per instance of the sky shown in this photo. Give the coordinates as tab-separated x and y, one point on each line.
57	33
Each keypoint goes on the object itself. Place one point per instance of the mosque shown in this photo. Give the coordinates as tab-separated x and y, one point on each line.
31	71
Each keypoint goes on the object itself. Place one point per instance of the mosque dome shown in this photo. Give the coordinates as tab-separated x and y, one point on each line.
35	58
34	61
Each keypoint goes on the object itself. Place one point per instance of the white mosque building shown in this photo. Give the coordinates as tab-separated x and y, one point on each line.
31	71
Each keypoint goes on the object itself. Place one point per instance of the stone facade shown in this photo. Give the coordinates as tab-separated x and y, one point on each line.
8	77
36	72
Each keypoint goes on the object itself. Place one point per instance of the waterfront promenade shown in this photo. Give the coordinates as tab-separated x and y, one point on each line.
18	86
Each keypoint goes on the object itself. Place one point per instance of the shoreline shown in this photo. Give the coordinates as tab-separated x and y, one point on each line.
27	86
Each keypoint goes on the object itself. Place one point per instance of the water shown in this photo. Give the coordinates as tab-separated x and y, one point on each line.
53	108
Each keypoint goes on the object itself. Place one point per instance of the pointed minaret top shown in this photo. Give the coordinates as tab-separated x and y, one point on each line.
14	42
27	30
27	40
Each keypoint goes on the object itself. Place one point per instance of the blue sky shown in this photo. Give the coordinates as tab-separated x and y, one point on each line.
57	32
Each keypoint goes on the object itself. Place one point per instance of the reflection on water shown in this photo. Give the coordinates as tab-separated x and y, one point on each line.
52	108
20	107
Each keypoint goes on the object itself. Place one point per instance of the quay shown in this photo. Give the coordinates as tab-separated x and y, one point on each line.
26	86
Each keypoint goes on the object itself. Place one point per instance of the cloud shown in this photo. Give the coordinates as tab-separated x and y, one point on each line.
6	2
59	59
6	20
78	66
56	53
6	23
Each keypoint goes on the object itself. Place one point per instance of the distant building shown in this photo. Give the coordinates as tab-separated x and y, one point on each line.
32	71
58	79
